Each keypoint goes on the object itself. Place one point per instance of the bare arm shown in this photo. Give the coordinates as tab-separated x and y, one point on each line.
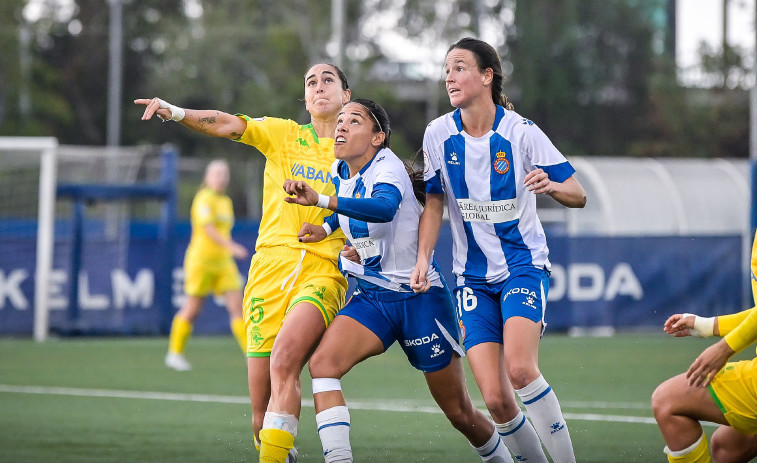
569	193
207	121
428	235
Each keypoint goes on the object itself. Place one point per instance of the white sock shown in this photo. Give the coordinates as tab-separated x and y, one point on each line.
686	451
494	451
334	429
544	410
520	437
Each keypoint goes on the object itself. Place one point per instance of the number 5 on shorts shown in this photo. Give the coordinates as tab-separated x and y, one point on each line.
256	311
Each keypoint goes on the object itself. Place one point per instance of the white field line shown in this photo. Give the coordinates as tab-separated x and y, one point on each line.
384	405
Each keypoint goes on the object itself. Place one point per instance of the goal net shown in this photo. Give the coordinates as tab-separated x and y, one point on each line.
82	211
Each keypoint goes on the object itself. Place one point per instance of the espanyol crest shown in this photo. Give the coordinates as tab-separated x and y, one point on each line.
501	164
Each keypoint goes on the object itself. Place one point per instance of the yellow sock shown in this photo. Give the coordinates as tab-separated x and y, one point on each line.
180	331
698	452
237	329
275	445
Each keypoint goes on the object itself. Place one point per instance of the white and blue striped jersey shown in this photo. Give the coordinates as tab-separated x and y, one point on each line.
492	214
387	250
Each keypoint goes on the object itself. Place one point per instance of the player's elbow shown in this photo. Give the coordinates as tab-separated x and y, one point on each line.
580	201
384	218
385	212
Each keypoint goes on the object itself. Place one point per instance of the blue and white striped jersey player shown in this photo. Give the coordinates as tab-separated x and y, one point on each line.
377	210
490	163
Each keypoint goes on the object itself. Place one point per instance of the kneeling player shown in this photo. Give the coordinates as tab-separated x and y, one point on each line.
711	390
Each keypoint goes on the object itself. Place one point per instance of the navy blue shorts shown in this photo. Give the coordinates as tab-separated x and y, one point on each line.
483	308
424	324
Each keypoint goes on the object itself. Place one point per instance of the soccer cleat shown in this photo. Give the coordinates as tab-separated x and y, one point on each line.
292	457
177	362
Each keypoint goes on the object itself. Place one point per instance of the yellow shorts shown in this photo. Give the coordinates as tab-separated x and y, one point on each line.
201	276
279	278
733	390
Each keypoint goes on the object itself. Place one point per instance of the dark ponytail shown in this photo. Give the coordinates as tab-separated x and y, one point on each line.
414	168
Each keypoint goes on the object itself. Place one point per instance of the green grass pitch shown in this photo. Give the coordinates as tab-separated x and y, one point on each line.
112	400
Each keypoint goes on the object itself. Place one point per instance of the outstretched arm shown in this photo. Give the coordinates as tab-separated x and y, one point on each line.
210	122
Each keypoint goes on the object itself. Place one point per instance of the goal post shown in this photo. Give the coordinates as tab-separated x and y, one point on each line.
86	227
46	148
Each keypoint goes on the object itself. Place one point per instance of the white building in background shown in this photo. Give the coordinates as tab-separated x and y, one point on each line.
648	197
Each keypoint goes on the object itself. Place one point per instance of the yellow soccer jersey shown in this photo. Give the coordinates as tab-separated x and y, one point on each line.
293	152
209	207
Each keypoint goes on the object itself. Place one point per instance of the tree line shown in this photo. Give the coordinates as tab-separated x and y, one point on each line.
598	76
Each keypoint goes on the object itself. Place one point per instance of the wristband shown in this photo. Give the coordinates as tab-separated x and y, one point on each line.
704	327
177	113
323	201
327	227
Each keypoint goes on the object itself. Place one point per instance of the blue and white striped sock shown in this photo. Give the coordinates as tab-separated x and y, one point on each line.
521	438
544	410
334	429
494	451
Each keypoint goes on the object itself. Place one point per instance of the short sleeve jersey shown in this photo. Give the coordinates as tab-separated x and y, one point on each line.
295	152
387	250
210	208
492	214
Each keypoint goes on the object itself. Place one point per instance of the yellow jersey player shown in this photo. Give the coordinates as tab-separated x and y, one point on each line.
753	269
209	263
294	289
712	389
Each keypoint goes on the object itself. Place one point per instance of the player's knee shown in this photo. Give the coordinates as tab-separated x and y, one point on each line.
661	402
724	454
725	449
285	363
719	453
321	366
318	367
522	374
500	408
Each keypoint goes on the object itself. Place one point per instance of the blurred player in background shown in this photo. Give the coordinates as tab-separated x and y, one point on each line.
209	263
712	389
491	163
294	289
378	211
